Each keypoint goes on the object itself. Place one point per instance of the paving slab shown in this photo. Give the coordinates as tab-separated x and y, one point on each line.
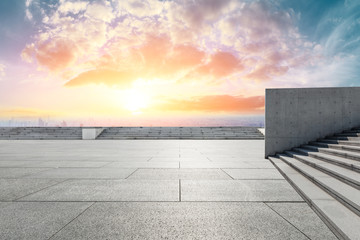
179	221
12	189
12	163
92	173
65	164
86	157
266	173
177	159
19	172
109	190
238	158
260	164
215	165
142	165
36	221
167	174
303	218
147	208
238	190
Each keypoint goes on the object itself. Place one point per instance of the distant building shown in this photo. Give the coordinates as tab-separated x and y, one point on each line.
41	123
63	124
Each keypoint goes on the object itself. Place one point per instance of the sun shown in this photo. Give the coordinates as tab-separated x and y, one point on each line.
136	100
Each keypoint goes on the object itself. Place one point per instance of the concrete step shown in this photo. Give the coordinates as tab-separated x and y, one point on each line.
176	137
181	133
344	138
347	134
342	153
336	146
340	161
340	219
344	193
352	131
342	142
343	174
352	143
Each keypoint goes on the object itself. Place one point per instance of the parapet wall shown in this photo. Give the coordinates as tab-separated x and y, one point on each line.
297	116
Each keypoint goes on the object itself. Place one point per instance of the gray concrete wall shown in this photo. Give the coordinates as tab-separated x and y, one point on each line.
297	116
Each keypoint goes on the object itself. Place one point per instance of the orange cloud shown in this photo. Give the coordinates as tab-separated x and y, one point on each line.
56	54
158	57
217	103
221	65
183	40
105	76
184	56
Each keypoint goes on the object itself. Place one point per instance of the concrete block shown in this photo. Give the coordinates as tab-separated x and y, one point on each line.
298	116
91	133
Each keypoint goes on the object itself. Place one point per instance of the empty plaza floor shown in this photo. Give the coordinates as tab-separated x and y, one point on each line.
148	189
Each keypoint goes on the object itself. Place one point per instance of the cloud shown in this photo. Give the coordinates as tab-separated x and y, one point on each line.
194	14
100	12
217	103
2	71
56	54
266	72
72	7
205	41
221	64
104	76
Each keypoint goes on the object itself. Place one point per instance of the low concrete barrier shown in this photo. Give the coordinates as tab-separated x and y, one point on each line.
297	116
91	133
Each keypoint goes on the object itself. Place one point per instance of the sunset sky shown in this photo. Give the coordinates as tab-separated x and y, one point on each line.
141	58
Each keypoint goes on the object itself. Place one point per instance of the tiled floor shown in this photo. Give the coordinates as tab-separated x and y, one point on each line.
148	189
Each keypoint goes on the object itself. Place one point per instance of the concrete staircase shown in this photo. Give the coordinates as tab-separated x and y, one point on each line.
181	133
327	174
40	133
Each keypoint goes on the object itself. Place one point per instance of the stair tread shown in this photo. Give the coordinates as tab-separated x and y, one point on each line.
344	138
336	158
340	188
343	219
349	142
337	145
342	152
343	172
350	134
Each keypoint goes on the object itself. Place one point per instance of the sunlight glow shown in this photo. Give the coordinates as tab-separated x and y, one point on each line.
135	100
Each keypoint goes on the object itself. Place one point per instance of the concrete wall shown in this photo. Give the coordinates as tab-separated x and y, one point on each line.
91	133
297	116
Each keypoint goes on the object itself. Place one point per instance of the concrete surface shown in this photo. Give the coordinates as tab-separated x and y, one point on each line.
330	183
181	133
297	116
146	189
121	133
91	133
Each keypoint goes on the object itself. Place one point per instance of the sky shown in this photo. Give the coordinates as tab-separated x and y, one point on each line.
146	58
